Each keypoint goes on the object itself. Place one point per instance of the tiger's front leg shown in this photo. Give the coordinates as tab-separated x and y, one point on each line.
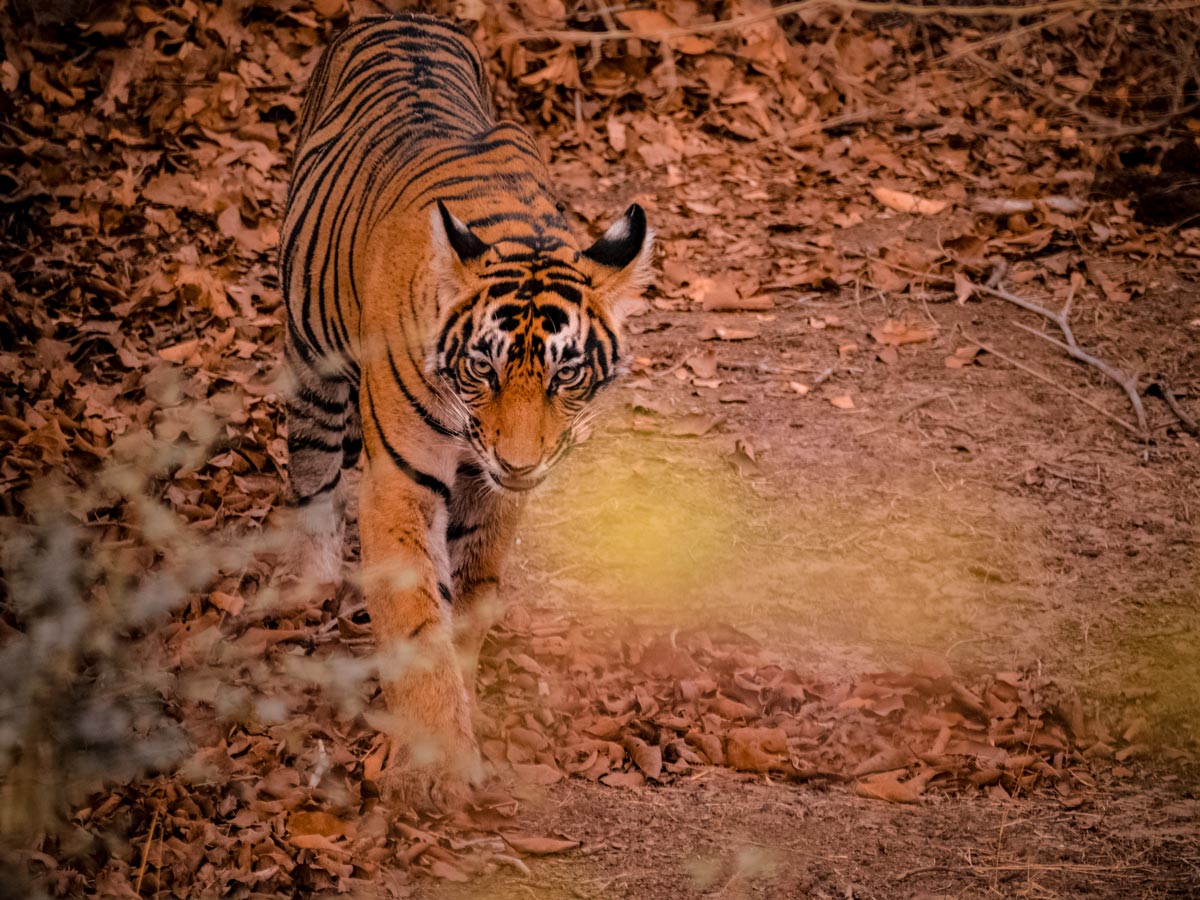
483	521
406	583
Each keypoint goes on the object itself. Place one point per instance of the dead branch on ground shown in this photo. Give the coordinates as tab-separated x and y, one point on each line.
898	416
1162	388
1128	426
1070	346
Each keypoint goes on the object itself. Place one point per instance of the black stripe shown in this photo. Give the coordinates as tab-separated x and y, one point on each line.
426	416
424	480
351	448
332	407
306	442
323	489
457	531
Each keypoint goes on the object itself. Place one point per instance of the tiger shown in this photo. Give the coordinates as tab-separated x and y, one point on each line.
442	322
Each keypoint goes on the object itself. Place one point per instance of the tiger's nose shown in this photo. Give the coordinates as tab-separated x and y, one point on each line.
510	469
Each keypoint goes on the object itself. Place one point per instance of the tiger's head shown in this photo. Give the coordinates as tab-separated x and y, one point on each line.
527	339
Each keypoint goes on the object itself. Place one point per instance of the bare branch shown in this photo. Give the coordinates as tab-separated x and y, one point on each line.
1163	388
1050	381
1071	347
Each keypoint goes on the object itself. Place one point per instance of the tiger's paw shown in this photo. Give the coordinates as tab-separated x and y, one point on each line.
426	790
442	784
442	787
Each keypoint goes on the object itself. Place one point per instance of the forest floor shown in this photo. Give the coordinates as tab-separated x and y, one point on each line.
835	604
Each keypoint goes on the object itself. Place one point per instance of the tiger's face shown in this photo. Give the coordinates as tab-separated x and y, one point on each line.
526	343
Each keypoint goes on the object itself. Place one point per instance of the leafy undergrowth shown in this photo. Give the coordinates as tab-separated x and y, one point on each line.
290	800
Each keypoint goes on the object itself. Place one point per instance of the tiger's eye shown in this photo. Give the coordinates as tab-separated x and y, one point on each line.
480	368
568	376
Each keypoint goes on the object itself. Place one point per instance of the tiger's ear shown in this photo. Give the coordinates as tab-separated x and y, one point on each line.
456	252
455	236
619	263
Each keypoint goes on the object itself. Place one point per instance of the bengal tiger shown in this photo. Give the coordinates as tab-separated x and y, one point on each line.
441	317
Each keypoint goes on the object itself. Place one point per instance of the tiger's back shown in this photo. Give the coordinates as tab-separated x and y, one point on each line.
400	115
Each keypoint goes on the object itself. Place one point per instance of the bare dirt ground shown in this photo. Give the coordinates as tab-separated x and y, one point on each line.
823	554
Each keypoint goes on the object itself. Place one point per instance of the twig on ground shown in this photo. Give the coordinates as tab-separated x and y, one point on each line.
512	862
821	379
137	888
1163	388
899	415
1061	319
806	128
929	870
1128	382
1109	127
1128	426
1071	346
979	872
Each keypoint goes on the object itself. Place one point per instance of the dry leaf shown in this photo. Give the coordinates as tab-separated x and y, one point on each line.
537	773
757	749
180	352
447	871
646	21
963	356
617	134
703	365
720	333
230	603
934	666
885	761
531	845
624	779
904	202
692	425
679	272
645	757
897	333
725	296
964	290
743	458
325	824
888	786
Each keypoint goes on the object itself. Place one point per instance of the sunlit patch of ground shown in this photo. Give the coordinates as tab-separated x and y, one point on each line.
665	534
859	570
